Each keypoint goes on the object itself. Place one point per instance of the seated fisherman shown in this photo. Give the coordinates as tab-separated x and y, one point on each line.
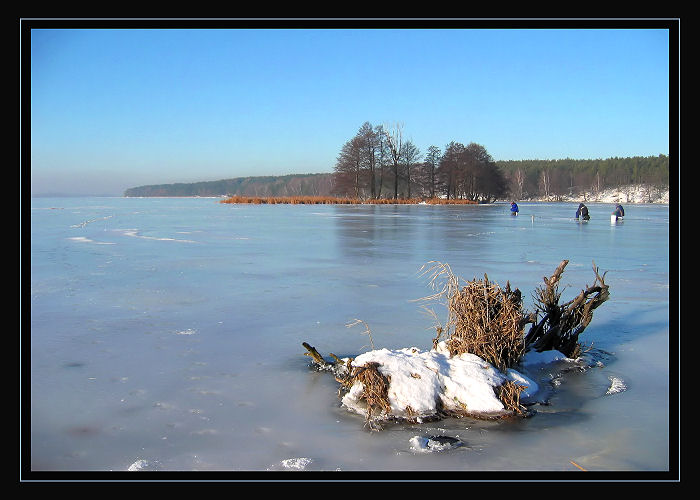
582	212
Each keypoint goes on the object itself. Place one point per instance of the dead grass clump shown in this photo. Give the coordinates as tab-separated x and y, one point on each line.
509	394
483	319
487	323
375	390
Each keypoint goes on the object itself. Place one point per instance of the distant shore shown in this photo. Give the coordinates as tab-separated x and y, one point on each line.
627	194
632	194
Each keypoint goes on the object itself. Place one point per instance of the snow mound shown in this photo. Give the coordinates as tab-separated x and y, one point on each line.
421	383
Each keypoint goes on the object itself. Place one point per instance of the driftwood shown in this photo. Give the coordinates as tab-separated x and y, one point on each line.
337	366
561	325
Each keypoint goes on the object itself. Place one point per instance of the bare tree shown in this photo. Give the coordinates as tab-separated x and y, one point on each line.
369	142
517	181
348	169
432	159
410	154
545	182
383	157
394	140
482	180
449	169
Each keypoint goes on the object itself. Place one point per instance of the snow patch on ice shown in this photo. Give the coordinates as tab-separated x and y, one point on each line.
143	465
296	463
83	239
616	386
189	331
136	234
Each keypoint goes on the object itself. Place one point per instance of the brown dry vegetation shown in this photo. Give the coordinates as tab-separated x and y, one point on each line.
329	200
483	318
487	323
375	390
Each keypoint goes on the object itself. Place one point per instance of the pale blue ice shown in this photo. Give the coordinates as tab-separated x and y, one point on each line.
165	334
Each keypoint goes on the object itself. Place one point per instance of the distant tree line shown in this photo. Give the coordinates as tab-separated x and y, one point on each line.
262	186
555	178
380	163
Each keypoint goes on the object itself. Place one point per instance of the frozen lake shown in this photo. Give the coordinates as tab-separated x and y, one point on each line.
166	334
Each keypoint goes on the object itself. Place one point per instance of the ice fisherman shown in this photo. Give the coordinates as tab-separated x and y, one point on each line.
582	212
619	211
514	208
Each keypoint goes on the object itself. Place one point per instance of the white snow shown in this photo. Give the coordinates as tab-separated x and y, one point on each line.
189	331
544	357
296	463
531	387
616	385
138	465
633	193
142	464
422	381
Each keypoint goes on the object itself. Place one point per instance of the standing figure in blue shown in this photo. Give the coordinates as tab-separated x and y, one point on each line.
582	212
619	211
514	208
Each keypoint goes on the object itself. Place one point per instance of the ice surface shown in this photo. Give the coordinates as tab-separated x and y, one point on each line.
169	331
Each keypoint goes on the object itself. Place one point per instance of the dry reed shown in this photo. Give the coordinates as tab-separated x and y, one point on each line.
330	200
509	394
483	319
367	331
375	387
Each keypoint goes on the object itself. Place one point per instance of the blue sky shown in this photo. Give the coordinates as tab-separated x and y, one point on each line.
117	108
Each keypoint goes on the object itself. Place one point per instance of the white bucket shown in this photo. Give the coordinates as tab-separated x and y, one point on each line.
613	219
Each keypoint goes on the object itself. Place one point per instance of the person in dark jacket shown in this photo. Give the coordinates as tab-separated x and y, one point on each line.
619	211
582	212
514	208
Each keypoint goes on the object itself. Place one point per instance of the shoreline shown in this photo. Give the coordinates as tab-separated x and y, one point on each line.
633	194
